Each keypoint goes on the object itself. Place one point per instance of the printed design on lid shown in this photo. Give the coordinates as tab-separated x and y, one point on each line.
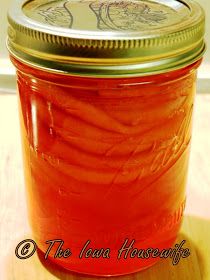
58	15
124	15
109	15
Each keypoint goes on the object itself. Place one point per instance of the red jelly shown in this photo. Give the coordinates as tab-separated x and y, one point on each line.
106	155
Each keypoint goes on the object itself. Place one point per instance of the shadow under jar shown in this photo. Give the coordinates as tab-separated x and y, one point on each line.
106	109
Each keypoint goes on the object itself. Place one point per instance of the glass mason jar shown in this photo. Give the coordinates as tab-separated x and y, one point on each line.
106	105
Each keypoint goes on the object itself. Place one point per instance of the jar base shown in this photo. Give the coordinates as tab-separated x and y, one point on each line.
57	267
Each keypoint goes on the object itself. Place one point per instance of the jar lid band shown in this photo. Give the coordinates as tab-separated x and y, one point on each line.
107	38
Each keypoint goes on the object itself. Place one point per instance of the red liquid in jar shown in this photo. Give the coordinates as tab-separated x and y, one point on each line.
106	160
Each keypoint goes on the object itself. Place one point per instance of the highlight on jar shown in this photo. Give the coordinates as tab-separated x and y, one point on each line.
106	93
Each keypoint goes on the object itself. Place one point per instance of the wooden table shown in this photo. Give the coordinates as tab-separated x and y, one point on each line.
13	215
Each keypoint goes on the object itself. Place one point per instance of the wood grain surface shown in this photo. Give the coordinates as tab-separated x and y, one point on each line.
13	214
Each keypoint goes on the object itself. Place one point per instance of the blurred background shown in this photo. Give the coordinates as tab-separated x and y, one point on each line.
7	79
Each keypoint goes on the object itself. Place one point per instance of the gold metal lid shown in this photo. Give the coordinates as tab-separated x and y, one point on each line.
108	38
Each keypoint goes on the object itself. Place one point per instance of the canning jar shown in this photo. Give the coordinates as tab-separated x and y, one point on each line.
106	94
